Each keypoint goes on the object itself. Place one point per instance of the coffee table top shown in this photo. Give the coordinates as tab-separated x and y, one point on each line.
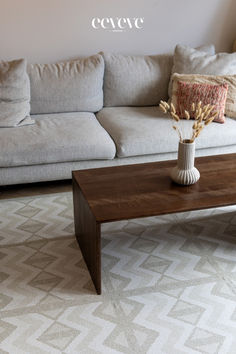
134	191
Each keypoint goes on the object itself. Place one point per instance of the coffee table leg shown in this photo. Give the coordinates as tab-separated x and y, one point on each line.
88	234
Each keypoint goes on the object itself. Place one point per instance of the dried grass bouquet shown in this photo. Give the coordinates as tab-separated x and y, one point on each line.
203	115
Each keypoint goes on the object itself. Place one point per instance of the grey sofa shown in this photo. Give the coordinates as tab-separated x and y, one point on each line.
97	112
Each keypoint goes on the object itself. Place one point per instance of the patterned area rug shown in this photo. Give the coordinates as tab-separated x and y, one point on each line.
169	283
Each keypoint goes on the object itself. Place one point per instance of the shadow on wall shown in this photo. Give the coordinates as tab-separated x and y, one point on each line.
222	31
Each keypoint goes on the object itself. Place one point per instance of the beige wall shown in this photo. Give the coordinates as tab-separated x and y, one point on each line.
49	30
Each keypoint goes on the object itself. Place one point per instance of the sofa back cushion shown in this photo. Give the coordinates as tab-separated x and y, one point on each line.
70	86
188	60
14	94
136	80
203	61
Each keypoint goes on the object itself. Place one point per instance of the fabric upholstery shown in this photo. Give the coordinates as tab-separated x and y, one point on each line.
136	80
145	130
72	86
62	170
188	60
56	138
191	61
230	80
14	94
185	93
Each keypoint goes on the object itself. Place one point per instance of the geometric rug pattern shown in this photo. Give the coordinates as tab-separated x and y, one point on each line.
168	282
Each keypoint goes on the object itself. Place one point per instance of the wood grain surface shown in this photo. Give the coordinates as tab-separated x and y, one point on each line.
88	235
133	191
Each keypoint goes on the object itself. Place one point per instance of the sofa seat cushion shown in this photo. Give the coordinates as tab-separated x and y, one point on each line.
145	130
56	138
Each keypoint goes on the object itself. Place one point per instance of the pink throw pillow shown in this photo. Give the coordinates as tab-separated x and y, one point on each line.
215	95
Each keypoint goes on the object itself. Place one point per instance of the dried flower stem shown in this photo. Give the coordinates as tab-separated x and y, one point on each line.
200	112
179	133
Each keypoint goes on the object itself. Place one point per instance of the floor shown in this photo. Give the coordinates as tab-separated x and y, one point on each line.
26	190
169	283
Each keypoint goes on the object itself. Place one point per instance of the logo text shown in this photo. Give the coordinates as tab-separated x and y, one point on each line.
117	24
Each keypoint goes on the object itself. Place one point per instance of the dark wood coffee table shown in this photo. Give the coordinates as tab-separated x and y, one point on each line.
125	192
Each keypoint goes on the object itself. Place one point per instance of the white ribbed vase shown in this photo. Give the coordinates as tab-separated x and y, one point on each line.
185	173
